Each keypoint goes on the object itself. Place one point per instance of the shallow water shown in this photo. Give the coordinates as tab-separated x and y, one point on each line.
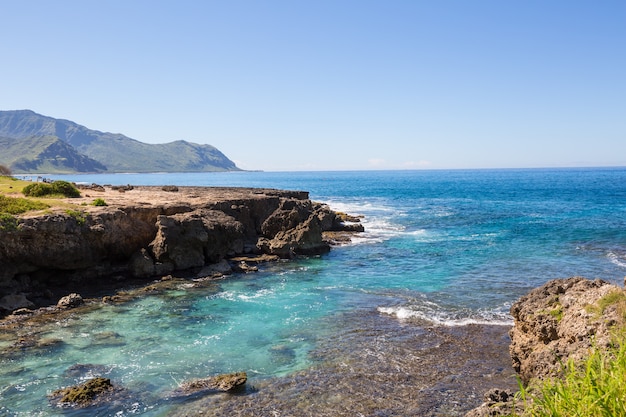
430	282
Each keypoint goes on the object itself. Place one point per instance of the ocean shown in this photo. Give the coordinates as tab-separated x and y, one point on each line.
444	255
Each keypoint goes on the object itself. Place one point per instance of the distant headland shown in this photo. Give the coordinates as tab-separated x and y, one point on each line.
31	143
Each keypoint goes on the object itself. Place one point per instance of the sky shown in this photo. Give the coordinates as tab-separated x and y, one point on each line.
332	85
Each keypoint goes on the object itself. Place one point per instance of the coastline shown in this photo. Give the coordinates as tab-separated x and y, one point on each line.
148	231
355	349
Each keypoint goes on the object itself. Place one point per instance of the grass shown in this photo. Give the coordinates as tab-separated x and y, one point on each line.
616	299
18	205
594	388
11	205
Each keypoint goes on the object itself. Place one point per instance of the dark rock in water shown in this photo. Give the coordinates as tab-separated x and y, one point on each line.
108	339
224	382
84	394
82	370
282	355
498	403
70	301
170	188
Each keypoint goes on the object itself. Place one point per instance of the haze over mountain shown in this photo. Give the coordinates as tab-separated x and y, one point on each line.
33	143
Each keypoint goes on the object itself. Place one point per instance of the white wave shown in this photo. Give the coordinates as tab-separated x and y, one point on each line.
441	318
617	260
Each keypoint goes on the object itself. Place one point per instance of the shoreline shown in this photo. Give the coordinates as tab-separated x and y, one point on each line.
152	231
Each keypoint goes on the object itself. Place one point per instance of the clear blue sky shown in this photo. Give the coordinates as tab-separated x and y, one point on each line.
324	85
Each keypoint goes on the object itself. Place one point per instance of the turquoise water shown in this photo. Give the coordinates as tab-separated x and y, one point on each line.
441	248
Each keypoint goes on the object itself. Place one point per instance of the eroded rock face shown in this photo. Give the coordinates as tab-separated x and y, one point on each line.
148	231
554	323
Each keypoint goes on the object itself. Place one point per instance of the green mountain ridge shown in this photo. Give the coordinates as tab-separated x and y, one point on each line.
89	150
44	154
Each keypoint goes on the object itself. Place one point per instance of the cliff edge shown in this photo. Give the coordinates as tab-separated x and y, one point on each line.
151	231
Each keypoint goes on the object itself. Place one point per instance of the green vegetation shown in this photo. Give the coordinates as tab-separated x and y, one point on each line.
557	312
17	205
62	146
99	202
78	215
7	222
41	189
595	388
616	299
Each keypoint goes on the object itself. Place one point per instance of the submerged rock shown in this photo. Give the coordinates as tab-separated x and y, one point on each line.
224	382
83	395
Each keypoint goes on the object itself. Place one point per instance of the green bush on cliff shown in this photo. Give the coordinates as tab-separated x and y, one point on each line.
16	205
42	189
7	222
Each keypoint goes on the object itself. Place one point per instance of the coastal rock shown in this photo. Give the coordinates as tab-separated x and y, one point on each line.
149	231
83	395
70	301
224	382
12	302
556	322
559	321
497	403
196	238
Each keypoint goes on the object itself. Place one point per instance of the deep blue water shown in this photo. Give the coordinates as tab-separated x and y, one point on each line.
441	247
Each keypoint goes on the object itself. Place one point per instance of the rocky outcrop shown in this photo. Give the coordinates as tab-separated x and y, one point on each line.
152	231
561	320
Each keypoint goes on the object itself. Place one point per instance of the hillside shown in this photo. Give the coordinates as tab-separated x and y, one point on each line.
47	154
89	150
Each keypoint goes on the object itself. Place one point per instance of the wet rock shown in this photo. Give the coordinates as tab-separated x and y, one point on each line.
216	270
82	370
244	267
70	301
108	339
224	382
498	403
170	188
83	395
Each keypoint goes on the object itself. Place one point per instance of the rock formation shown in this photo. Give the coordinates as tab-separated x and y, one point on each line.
149	231
554	323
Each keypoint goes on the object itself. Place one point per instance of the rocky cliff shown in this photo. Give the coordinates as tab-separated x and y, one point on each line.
151	231
561	320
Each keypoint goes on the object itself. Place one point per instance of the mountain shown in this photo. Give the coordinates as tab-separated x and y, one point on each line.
113	152
47	154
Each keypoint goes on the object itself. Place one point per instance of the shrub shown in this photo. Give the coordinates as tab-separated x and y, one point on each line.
65	188
16	205
99	202
41	189
7	222
79	216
